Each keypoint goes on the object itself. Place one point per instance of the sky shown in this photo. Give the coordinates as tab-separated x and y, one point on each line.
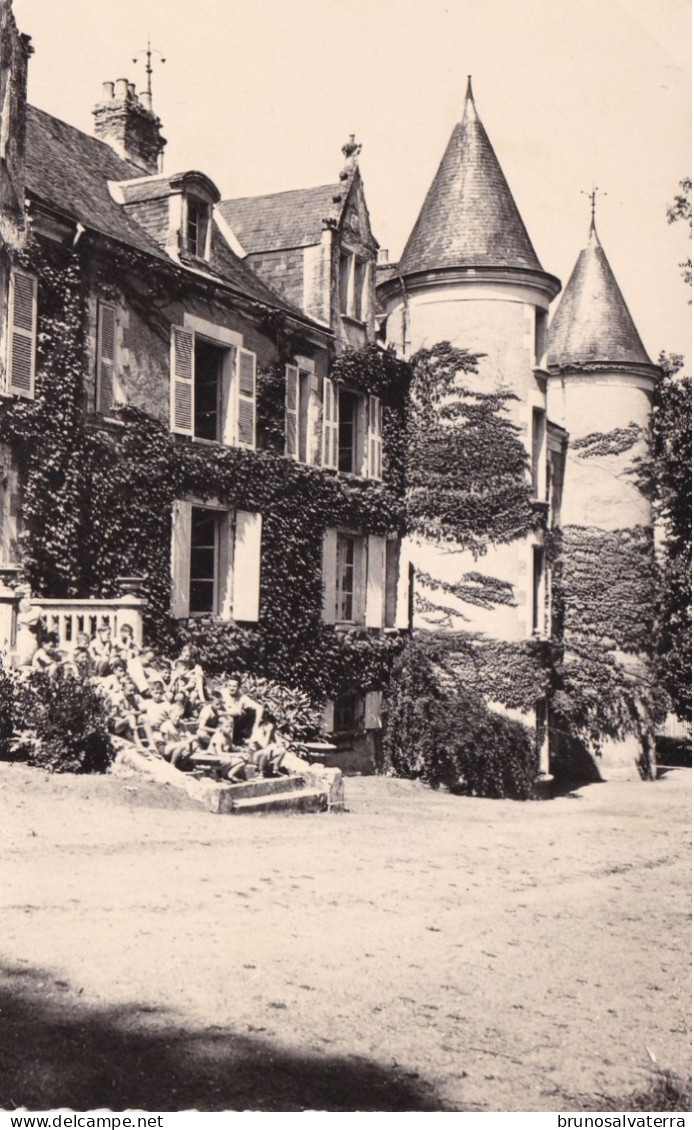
262	94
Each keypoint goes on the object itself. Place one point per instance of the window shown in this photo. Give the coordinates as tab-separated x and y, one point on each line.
107	392
22	317
354	279
213	389
347	712
348	431
357	572
352	431
538	590
344	578
538	448
197	227
302	415
215	562
540	335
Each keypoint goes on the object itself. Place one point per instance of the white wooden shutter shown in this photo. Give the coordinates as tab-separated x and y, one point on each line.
180	558
182	381
331	423
329	716
392	563
21	362
359	601
375	581
291	412
105	359
372	710
247	549
329	575
245	398
375	438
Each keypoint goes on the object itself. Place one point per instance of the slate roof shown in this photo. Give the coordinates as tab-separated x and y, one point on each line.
284	219
592	321
69	171
469	217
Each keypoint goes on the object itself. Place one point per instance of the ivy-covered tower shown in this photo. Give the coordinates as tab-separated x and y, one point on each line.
469	275
600	390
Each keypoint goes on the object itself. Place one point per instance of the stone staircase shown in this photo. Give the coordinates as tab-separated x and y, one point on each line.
317	789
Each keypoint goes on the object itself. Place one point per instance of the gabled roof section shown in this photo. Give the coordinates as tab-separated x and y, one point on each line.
69	172
285	219
592	322
469	217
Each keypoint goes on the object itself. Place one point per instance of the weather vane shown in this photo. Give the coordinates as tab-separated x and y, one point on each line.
594	192
148	69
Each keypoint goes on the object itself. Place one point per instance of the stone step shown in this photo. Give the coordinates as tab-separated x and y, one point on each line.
300	800
267	786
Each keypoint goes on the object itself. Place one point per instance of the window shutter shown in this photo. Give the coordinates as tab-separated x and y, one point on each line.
182	381
372	710
375	581
21	364
180	558
392	562
329	575
245	398
106	359
375	438
329	716
291	412
247	549
331	423
360	564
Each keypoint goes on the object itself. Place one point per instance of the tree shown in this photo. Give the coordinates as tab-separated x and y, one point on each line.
672	445
681	209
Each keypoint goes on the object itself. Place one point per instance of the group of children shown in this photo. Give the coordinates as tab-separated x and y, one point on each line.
169	709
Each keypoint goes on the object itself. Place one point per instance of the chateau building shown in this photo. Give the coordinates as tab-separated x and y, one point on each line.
195	312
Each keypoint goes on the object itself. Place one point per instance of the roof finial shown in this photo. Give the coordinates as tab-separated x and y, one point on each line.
351	151
592	197
148	69
469	108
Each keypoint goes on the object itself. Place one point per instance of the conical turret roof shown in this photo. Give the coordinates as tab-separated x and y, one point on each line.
592	322
469	217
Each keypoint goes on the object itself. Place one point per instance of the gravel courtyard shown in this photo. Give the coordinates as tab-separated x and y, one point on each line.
418	952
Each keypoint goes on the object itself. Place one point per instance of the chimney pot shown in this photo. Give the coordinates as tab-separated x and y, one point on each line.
107	91
383	255
146	100
131	91
122	89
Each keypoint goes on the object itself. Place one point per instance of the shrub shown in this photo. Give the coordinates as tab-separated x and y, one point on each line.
7	708
293	712
65	723
440	731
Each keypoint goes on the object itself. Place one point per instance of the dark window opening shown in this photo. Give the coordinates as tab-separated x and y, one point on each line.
208	390
538	570
204	544
347	437
537	443
347	712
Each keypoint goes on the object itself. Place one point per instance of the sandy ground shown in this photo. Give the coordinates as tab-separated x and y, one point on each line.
418	952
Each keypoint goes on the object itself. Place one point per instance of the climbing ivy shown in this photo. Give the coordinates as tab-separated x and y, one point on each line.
96	501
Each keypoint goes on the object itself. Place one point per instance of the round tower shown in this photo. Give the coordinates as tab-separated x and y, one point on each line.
469	275
600	389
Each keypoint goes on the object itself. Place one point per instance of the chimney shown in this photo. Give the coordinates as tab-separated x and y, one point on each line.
15	50
129	125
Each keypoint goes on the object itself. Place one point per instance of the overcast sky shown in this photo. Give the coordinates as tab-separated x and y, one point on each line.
261	95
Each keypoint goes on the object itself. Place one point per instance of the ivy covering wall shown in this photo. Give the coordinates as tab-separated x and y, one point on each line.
96	501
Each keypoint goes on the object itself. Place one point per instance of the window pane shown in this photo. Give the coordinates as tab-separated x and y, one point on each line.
203	560
348	432
208	386
344	587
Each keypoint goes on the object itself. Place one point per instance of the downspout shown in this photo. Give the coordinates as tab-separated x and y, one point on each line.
405	316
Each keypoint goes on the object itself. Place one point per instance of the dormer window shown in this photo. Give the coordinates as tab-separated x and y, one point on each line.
197	227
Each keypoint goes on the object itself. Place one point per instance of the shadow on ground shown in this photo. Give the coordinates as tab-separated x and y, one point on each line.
59	1052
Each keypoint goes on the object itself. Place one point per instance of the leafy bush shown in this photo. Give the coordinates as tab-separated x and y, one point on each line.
440	731
63	723
292	710
7	704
